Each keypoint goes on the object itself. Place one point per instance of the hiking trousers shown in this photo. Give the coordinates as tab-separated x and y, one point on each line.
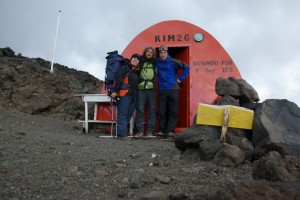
125	108
145	98
167	110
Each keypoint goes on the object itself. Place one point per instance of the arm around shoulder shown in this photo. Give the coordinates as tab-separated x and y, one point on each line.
185	69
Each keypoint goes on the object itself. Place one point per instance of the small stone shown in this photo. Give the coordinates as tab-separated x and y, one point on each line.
122	194
162	179
73	169
274	155
121	165
179	196
100	173
125	180
212	174
136	182
135	155
20	133
156	161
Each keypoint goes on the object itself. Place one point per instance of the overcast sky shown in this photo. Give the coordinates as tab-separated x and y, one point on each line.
261	36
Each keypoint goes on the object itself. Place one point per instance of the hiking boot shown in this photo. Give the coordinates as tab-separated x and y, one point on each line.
149	134
161	134
139	135
170	134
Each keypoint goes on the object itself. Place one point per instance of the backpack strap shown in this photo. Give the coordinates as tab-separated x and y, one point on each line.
124	88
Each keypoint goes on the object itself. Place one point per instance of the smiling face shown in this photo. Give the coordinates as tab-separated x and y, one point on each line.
134	61
149	54
163	54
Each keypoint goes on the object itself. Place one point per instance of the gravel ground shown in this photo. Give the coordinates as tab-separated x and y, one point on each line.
44	158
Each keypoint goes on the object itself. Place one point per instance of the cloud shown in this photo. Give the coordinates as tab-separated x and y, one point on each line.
262	37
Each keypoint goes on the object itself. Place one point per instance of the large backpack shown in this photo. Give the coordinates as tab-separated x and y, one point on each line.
114	62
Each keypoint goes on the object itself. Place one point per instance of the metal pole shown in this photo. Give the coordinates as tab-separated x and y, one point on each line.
86	117
51	70
112	119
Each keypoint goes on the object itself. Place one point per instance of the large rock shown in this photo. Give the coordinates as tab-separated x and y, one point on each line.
239	138
208	149
229	156
237	88
276	126
192	136
7	52
227	100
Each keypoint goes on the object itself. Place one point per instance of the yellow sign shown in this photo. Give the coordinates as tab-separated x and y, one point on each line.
214	115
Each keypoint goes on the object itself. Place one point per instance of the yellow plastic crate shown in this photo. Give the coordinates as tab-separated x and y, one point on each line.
214	115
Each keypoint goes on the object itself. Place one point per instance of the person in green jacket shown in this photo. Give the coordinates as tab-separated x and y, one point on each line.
146	93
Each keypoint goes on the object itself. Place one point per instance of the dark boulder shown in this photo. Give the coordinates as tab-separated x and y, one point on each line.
240	138
229	156
192	136
237	88
7	52
276	127
227	100
208	149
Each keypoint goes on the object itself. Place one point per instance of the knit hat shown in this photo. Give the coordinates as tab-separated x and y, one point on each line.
135	56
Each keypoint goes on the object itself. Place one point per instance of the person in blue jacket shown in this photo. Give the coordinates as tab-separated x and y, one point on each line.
168	90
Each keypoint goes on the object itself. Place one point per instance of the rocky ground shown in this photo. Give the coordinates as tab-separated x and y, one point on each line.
27	85
46	158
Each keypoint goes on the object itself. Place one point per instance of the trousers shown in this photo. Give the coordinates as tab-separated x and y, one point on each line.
145	98
167	110
125	109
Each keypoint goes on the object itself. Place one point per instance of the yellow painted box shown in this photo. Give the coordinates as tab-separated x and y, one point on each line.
239	117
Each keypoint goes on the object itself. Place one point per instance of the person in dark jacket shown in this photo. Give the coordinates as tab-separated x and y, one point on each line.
146	93
125	89
168	93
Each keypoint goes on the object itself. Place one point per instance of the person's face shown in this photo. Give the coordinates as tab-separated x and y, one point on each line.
163	55
134	61
149	54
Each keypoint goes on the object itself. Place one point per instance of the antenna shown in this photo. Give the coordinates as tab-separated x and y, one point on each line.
51	70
